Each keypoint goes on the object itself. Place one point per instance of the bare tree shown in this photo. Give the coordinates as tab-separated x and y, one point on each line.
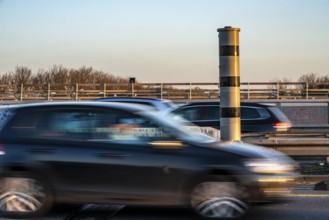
7	87
313	84
281	87
22	75
58	78
310	79
81	75
57	74
7	78
322	82
41	77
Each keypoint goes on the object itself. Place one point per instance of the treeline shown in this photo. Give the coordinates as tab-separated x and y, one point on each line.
74	83
58	74
313	80
311	83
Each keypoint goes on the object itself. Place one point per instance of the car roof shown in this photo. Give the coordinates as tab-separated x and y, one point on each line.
133	99
251	104
159	104
127	106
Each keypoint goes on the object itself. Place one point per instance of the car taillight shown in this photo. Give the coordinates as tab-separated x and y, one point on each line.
2	150
282	126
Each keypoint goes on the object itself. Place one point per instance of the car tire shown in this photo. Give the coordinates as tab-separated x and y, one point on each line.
219	198
24	196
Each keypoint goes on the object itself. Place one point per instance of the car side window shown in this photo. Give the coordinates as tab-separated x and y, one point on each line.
134	129
58	124
5	115
72	124
249	113
212	113
24	124
83	124
191	114
200	113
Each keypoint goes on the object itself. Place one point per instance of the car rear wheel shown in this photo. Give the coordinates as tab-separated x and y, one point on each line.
219	198
24	196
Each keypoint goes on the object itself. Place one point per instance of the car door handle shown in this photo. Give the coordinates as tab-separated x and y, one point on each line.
43	151
112	155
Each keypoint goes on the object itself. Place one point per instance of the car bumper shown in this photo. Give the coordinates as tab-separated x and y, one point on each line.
270	188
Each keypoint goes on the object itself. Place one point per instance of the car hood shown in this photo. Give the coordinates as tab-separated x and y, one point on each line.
249	150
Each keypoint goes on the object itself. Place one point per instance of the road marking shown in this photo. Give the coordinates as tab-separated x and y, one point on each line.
308	195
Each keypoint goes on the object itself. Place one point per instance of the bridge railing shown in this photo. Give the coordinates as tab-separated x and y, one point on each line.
173	91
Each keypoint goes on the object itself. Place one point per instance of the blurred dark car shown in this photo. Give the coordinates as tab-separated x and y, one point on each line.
94	152
255	117
158	104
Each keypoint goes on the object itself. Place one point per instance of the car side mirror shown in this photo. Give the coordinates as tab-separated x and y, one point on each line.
167	144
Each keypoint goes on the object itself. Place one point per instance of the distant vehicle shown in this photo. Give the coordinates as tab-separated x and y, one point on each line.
94	152
158	104
255	117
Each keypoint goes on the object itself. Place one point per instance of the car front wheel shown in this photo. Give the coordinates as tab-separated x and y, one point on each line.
219	198
24	196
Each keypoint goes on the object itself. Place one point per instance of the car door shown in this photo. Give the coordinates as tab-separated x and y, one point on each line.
53	141
136	168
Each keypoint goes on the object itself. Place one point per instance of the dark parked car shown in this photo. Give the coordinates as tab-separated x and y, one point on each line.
255	117
158	104
94	152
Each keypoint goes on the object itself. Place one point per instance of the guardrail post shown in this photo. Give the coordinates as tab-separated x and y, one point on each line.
132	89
76	91
306	86
48	92
248	91
22	87
161	91
190	95
104	88
278	90
328	112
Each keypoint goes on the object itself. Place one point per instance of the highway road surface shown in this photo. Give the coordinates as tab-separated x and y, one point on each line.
304	203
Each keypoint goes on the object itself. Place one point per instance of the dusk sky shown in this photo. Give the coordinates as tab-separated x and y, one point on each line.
166	40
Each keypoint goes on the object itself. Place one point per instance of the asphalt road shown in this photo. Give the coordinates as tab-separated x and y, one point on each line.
304	203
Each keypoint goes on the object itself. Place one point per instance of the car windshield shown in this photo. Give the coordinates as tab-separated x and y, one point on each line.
183	129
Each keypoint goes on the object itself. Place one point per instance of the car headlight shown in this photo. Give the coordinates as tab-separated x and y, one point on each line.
269	166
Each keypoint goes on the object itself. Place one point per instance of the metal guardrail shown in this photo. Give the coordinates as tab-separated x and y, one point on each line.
173	91
321	130
299	141
311	147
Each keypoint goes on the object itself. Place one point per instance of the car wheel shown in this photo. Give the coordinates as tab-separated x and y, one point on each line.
24	196
219	198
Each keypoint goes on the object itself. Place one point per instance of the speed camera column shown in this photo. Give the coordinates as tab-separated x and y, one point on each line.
229	78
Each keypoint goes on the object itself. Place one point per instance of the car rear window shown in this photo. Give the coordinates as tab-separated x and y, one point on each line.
278	113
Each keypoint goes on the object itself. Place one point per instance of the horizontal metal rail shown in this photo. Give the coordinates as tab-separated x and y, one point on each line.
173	91
303	144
